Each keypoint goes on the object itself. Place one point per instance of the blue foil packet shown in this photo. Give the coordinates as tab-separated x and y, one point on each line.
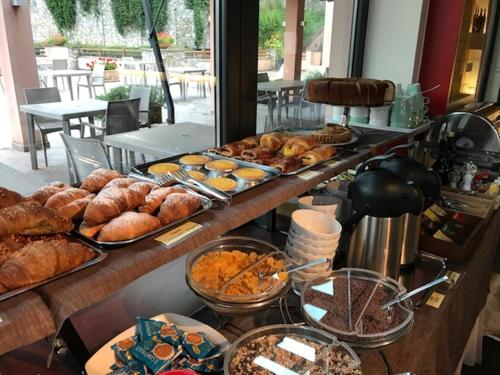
206	366
121	349
148	328
158	358
171	335
197	345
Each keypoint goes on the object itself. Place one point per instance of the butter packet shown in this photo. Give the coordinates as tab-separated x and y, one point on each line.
206	366
197	345
121	349
160	357
171	334
148	328
133	368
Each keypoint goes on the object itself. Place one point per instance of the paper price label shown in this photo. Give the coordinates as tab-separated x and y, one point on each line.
452	277
435	300
178	233
309	175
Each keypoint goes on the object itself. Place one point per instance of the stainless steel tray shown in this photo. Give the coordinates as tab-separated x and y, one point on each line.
206	204
98	258
141	171
340	156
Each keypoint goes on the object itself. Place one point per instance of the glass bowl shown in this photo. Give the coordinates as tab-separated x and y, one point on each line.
240	291
285	349
348	303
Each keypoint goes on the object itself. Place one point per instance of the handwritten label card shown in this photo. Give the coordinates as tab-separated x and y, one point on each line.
177	234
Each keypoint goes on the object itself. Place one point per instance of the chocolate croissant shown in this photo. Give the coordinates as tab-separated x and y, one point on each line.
273	141
234	148
257	153
317	155
98	179
287	164
178	206
252	142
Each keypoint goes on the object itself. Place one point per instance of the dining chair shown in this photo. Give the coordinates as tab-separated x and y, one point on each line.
85	155
96	80
263	97
298	103
144	94
60	64
46	125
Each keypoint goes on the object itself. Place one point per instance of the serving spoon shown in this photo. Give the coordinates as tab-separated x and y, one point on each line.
282	275
414	291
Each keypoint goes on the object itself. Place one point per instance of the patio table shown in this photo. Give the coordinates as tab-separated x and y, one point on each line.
279	87
62	111
68	74
184	70
164	140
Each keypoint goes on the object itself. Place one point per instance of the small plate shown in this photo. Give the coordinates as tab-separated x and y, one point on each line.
102	360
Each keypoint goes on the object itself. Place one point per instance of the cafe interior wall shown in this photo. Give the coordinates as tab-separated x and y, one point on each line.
394	40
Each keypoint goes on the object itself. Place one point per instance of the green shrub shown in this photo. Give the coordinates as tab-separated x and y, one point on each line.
56	40
116	93
200	12
63	12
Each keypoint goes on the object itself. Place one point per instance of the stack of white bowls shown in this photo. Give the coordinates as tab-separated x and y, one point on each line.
312	235
326	204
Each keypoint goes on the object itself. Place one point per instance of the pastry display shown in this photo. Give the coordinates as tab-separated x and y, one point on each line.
221	166
158	347
251	174
222	183
197	175
333	360
127	226
219	271
160	169
9	197
194	160
178	206
36	260
350	91
98	179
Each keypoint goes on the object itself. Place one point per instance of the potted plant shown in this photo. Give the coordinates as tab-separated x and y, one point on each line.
55	47
165	40
110	68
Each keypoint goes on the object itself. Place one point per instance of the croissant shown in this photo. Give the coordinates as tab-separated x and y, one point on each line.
142	187
88	230
45	192
9	197
286	164
257	153
298	145
317	155
127	226
233	148
110	203
98	179
62	198
252	142
122	182
75	209
273	141
154	199
41	260
32	218
178	206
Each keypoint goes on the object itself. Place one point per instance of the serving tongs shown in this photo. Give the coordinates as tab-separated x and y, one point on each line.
182	177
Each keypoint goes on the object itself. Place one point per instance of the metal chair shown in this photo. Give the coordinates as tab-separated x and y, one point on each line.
298	104
85	155
96	80
46	125
60	64
143	93
263	97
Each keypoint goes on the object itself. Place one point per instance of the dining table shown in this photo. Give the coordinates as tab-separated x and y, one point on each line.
68	74
162	141
280	87
61	111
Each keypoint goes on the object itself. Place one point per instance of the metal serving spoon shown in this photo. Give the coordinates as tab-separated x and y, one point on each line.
280	274
414	291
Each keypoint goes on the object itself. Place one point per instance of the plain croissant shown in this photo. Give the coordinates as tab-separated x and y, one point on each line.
98	179
110	203
75	209
65	197
178	206
9	197
154	199
45	192
127	226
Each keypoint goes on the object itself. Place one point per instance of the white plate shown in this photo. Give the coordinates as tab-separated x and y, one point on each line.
102	360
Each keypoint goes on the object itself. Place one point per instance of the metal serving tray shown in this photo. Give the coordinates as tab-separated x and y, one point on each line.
98	258
141	171
206	204
339	156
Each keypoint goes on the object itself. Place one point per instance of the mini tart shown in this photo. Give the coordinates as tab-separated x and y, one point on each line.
252	174
221	165
197	175
194	160
222	183
163	168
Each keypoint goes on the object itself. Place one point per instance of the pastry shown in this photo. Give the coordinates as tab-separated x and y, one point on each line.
222	183
273	141
61	199
75	209
252	174
98	179
194	160
221	166
127	226
286	164
154	199
252	142
45	192
178	206
160	169
41	260
350	91
120	182
257	153
234	148
110	203
296	146
142	187
317	155
30	217
197	175
88	230
9	197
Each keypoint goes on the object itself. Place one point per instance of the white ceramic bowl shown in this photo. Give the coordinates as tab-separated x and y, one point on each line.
311	241
322	203
301	255
311	249
315	224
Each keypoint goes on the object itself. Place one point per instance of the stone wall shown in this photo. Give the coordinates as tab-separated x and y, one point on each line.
100	29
